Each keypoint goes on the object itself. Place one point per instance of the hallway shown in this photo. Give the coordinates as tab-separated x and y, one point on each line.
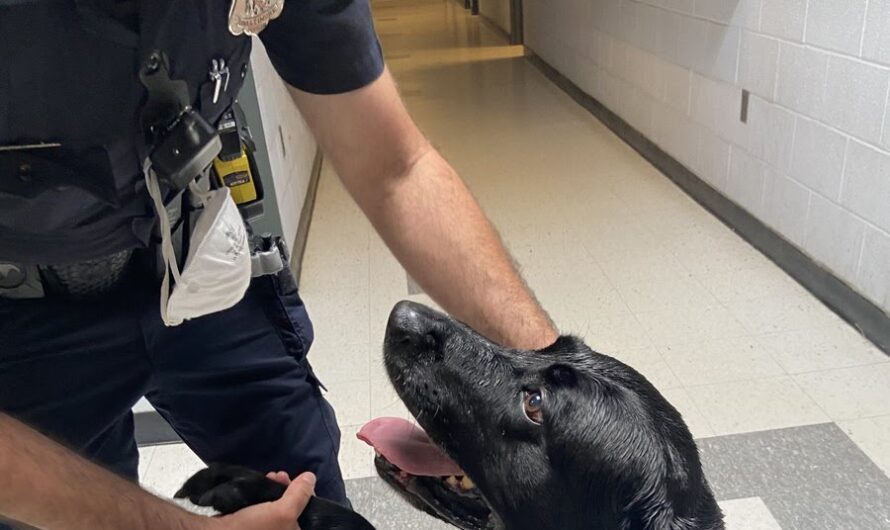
617	254
791	406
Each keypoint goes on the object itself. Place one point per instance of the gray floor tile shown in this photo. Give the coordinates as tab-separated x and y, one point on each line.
810	478
372	498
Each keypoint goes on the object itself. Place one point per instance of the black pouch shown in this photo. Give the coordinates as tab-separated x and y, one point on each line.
28	172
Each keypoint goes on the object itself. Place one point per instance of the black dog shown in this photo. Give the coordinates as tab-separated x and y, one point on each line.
562	438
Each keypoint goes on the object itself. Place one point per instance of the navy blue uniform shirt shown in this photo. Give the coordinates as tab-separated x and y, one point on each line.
68	74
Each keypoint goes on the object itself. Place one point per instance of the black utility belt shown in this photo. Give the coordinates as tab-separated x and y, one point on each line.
70	280
98	276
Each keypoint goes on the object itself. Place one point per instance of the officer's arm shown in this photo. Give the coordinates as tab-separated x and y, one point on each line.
424	212
44	485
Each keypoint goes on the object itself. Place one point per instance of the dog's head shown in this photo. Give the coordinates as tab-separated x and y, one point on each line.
560	438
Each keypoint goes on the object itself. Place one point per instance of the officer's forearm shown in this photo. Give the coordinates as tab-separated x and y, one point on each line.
424	212
46	486
436	229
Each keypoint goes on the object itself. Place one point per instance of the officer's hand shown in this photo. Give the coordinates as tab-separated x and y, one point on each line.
279	515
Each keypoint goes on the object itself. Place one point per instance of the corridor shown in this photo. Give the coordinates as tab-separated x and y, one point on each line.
791	406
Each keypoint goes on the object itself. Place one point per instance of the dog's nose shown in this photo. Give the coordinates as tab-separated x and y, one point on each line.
408	321
405	316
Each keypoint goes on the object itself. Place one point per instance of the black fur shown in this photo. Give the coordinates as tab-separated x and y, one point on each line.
228	489
610	454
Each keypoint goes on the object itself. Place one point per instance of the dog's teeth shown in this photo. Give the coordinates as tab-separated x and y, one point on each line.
466	483
452	481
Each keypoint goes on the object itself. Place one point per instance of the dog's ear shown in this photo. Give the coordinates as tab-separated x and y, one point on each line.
561	375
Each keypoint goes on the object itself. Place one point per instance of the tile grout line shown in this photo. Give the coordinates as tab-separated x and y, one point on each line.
885	122
864	29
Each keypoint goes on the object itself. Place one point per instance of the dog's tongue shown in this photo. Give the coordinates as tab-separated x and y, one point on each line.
407	447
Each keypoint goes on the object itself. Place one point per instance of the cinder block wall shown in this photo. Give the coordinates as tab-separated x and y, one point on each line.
813	160
289	142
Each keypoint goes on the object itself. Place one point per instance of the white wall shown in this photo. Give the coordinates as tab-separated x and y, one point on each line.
498	11
813	161
290	144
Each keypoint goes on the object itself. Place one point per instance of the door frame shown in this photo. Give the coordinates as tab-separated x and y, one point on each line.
517	32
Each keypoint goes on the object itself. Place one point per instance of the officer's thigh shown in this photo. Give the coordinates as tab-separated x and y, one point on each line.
237	387
74	369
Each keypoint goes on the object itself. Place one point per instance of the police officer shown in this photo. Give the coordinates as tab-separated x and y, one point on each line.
81	337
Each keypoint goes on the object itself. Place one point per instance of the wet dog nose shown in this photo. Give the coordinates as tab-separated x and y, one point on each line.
409	322
405	320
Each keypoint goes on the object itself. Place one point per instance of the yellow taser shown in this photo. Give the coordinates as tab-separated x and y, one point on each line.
236	175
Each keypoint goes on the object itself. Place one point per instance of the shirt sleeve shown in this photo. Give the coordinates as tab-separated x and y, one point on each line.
325	46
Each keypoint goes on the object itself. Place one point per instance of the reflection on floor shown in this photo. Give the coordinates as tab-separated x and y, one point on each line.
620	256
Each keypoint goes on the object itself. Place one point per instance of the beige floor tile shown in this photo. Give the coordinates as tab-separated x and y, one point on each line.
748	514
612	336
721	361
750	284
689	324
650	363
759	405
821	348
711	255
850	393
782	313
698	424
571	306
665	295
872	435
630	265
170	467
146	454
334	364
356	457
339	318
338	267
351	401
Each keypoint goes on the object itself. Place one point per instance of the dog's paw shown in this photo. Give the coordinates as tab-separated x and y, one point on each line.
228	488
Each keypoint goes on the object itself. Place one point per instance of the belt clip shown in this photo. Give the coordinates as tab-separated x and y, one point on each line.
266	258
20	281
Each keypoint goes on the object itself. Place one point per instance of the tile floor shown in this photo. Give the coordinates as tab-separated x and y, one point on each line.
617	254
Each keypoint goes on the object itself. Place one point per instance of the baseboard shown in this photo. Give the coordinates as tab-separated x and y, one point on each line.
872	321
298	248
153	429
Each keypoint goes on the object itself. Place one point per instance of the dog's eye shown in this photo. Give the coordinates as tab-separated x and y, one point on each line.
533	402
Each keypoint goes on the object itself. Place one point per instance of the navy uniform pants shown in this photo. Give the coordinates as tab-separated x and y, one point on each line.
236	385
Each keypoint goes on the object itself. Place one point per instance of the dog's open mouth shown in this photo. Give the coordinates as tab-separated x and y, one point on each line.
410	462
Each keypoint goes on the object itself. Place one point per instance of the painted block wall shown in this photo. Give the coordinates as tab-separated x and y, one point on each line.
813	159
289	142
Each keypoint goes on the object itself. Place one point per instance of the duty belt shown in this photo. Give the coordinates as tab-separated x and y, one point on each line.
97	276
74	280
